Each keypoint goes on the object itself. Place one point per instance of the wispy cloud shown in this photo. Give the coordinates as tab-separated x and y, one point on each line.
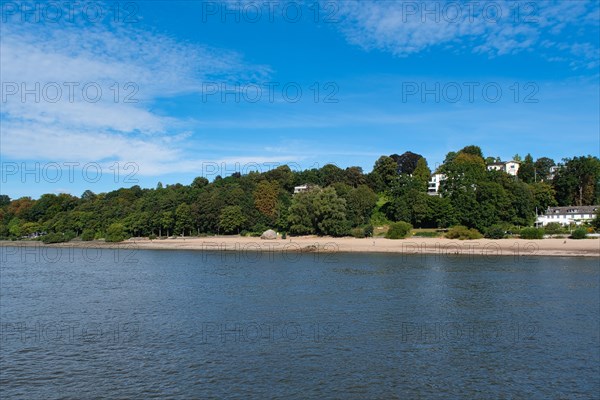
125	70
494	28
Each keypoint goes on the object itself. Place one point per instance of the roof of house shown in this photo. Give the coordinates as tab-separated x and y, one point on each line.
572	210
500	163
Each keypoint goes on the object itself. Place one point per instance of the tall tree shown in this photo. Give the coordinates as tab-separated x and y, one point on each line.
406	162
330	213
266	198
542	168
166	222
527	172
577	183
232	219
422	173
384	173
301	215
472	150
543	196
360	203
183	219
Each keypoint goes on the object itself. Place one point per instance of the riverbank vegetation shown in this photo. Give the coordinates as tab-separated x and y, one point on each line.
472	201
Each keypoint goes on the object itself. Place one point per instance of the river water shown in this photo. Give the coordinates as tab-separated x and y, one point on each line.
123	323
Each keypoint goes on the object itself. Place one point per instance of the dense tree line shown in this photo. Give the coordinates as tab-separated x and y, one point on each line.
339	201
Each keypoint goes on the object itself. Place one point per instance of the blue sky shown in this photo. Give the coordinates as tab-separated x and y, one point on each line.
375	78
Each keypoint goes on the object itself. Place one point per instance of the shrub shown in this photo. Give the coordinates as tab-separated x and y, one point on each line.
532	233
553	228
495	232
152	237
398	230
115	233
579	233
463	233
284	235
426	234
88	235
378	218
368	230
57	237
358	233
259	228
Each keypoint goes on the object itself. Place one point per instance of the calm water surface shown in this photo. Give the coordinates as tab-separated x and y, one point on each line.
166	324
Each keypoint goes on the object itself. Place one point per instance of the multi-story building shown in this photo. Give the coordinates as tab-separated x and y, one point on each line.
510	167
433	187
567	215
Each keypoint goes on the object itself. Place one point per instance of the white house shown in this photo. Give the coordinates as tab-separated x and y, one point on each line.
567	215
303	188
510	167
433	187
553	171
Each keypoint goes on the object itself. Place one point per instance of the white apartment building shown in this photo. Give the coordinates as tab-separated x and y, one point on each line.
433	187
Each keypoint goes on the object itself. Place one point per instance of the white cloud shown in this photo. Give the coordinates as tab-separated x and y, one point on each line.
60	125
495	28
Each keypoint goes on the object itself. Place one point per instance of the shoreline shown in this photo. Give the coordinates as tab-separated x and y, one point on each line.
315	244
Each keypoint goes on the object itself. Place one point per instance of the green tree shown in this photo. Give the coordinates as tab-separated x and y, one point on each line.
360	203
319	211
15	228
472	150
527	172
440	213
596	220
330	213
542	168
355	176
232	219
463	174
384	173
183	219
166	222
578	182
331	174
422	173
29	228
408	202
543	196
115	233
301	216
199	182
4	200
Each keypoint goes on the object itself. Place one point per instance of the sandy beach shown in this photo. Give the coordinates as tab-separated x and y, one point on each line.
415	245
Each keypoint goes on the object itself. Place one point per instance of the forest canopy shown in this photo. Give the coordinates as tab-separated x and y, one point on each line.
339	201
